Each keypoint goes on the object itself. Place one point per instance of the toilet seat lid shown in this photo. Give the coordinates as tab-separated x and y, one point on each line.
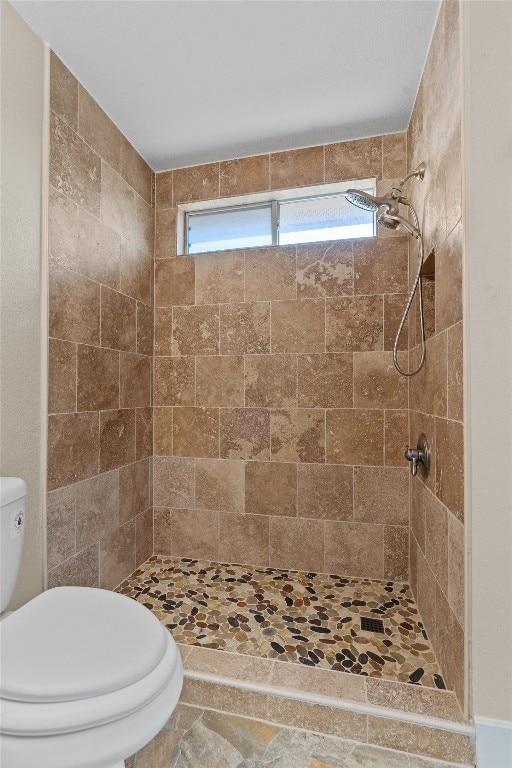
72	643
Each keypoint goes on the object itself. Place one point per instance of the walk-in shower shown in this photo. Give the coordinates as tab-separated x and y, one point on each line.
388	215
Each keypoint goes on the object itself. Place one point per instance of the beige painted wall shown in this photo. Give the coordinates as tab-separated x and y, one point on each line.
487	32
21	396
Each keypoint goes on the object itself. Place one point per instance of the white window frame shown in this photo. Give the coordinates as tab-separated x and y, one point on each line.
274	197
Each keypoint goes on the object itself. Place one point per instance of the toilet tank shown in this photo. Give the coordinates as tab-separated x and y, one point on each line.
13	491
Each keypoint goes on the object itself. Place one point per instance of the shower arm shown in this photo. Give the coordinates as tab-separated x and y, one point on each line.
396	190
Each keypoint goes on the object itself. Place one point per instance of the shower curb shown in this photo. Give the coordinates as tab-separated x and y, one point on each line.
329	701
363	723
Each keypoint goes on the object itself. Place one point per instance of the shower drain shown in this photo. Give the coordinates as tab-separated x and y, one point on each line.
372	625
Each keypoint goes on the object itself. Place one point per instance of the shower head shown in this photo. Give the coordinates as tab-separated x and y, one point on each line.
387	207
369	202
362	199
394	220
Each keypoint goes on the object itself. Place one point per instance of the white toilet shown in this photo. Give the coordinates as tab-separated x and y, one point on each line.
87	676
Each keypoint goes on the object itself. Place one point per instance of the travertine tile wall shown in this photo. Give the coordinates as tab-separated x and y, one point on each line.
101	225
436	394
279	420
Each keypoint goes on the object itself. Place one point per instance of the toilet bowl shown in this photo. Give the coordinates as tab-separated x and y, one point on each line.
88	678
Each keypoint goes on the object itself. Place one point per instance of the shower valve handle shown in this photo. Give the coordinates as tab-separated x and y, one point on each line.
413	455
419	455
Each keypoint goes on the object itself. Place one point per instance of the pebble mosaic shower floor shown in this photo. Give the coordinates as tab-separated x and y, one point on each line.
303	618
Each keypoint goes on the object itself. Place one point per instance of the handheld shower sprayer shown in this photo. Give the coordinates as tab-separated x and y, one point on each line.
388	215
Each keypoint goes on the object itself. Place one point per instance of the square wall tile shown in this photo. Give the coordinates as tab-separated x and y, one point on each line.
98	130
396	552
325	491
117	438
98	250
298	434
75	169
200	182
117	555
165	233
135	380
219	277
394	156
354	549
118	204
81	570
296	544
136	172
381	265
245	433
325	269
173	482
360	159
97	508
355	436
377	384
74	307
325	381
381	495
195	533
270	273
270	488
174	281
163	331
97	378
354	324
245	328
195	330
162	431
134	490
174	381
145	333
220	380
245	175
143	433
298	326
163	190
396	437
118	321
244	539
195	431
271	380
73	448
220	484
394	306
297	168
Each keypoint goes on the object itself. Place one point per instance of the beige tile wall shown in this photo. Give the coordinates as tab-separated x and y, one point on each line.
101	233
279	420
436	394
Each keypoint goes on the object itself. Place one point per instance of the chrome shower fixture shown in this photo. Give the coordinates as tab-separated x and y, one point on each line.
389	202
394	220
366	201
388	215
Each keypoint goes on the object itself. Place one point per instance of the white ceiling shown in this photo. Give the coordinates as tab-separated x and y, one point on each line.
194	81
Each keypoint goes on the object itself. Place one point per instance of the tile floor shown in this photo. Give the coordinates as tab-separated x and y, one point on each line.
198	738
306	618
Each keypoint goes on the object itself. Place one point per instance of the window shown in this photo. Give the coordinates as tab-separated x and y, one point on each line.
287	219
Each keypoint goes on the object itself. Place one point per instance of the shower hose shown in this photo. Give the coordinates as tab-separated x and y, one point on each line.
415	287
